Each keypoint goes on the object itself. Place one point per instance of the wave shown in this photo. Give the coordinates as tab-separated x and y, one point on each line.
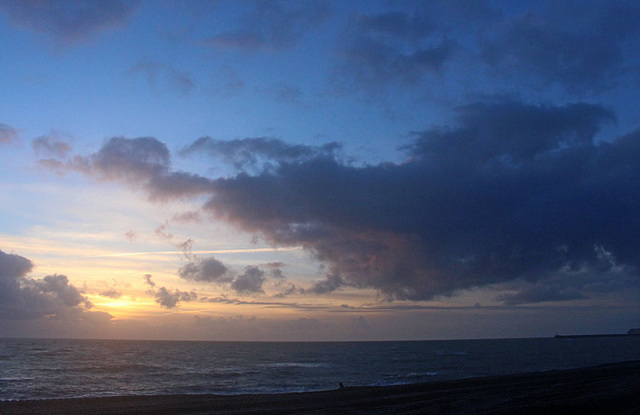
68	370
447	353
292	364
421	375
16	379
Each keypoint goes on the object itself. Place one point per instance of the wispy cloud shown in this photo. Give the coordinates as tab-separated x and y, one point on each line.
68	21
7	134
274	25
216	251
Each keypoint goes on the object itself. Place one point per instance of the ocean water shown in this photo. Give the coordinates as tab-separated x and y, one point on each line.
62	368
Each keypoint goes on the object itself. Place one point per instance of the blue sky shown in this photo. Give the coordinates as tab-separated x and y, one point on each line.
318	170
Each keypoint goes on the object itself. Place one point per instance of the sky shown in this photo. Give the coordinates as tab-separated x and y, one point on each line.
319	170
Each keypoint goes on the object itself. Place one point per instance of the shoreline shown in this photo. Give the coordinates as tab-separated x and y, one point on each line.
611	388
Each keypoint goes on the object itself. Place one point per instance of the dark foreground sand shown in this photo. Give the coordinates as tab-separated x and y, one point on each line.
607	389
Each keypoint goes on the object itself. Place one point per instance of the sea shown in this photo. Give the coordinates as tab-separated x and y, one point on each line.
69	368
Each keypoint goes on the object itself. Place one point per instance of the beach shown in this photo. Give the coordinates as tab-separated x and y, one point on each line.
611	389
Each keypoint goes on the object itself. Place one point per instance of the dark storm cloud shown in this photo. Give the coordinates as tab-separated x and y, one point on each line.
7	134
510	194
510	131
603	275
578	46
275	25
26	298
68	20
258	152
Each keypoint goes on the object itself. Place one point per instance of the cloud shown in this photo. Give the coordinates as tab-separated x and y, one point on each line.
512	191
601	276
510	131
111	293
331	283
133	160
51	146
130	235
206	270
149	281
394	47
7	134
272	25
228	83
22	297
223	299
258	153
445	49
280	281
586	48
289	289
170	299
509	192
59	286
186	217
161	75
211	270
283	92
68	21
250	282
14	266
142	161
162	232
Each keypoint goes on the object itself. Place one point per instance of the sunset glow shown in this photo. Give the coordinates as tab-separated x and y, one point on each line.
318	170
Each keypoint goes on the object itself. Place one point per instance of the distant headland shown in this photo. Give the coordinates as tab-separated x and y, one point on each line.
631	332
